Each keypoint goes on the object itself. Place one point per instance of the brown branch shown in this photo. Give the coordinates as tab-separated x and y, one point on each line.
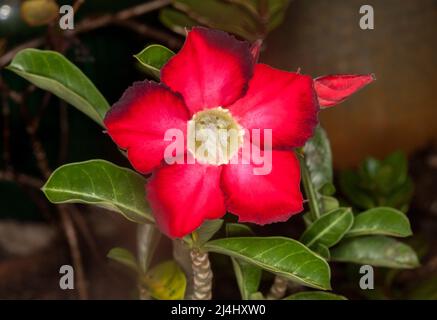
168	39
6	131
89	24
21	178
76	256
66	221
64	129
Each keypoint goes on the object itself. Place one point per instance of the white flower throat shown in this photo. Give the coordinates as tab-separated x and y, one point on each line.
214	136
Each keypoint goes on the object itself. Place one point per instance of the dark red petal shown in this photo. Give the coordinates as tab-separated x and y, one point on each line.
282	101
139	120
267	198
333	89
182	196
212	69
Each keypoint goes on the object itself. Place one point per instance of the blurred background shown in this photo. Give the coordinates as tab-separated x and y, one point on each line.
39	132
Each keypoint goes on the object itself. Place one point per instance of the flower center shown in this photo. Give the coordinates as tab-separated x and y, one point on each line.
214	136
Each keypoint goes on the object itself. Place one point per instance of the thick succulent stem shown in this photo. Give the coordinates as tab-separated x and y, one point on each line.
278	288
202	275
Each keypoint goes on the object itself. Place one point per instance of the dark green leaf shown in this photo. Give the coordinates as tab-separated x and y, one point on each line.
238	230
282	256
176	21
329	228
148	237
376	251
330	203
154	57
51	71
207	230
381	220
322	250
350	185
124	257
221	15
248	275
318	158
314	295
100	183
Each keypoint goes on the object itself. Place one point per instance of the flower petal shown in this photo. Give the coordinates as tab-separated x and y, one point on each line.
139	120
182	196
268	198
284	102
212	69
333	89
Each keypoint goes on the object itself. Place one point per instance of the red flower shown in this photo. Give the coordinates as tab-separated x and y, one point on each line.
215	80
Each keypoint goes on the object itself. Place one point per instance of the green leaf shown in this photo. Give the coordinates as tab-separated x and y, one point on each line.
100	183
257	296
248	275
318	158
148	237
207	230
382	221
377	251
166	281
124	257
314	295
322	250
176	21
51	71
282	256
330	203
153	58
238	230
329	229
350	185
222	15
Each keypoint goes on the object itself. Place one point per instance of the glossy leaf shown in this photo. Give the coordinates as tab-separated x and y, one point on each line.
330	203
148	237
282	256
103	184
318	158
329	229
51	71
207	230
124	257
315	295
381	220
322	250
222	15
166	281
176	21
153	58
376	251
350	185
248	275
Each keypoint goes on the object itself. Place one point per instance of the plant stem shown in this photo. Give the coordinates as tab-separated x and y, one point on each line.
202	275
310	192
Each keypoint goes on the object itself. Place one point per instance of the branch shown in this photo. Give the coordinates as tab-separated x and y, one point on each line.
202	274
21	178
89	24
168	39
